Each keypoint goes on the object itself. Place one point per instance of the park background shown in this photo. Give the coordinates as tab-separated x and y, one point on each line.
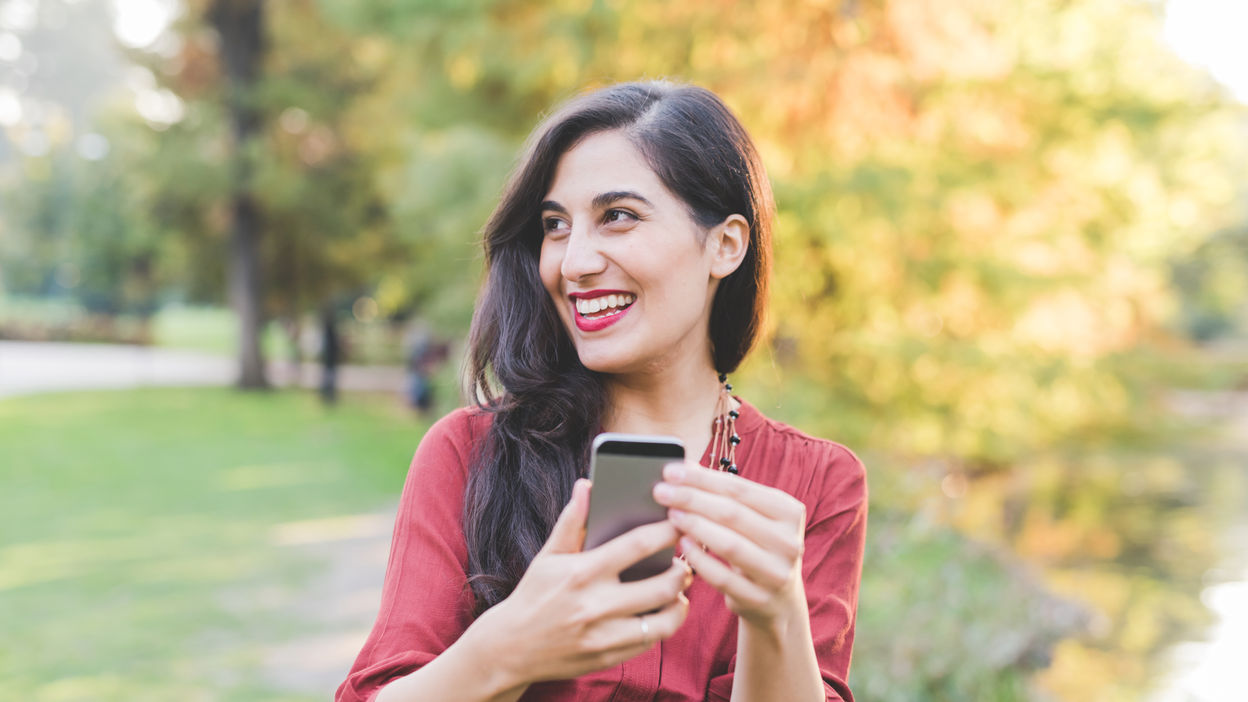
1011	272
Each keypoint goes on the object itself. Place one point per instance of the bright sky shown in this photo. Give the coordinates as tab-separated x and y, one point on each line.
1211	34
138	23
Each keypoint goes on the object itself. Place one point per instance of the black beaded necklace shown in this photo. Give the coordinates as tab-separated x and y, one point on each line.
724	440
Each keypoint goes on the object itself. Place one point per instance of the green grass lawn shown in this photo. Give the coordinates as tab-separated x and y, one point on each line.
209	329
134	522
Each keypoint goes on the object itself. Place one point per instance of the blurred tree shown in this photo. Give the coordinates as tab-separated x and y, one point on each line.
331	233
241	29
83	237
272	148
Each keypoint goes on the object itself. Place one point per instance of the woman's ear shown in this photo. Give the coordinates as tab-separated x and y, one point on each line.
730	240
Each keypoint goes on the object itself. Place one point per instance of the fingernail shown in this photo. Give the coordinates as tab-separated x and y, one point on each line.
674	472
687	545
676	516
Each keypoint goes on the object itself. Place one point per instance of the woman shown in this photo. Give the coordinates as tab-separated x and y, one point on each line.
627	271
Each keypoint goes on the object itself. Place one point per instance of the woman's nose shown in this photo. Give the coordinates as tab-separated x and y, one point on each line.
582	258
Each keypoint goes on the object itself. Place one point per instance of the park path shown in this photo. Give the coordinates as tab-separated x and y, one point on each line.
335	607
28	367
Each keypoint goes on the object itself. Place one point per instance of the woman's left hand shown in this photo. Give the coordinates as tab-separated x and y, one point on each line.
757	531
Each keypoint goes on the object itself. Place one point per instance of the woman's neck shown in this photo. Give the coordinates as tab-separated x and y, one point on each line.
679	403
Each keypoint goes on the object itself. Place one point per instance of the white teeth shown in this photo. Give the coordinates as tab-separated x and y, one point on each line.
606	302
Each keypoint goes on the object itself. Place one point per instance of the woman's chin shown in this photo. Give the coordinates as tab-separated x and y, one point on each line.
608	359
604	364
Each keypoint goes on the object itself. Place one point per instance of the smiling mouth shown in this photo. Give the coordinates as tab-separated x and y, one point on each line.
603	306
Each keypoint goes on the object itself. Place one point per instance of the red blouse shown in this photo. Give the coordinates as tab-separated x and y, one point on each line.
426	603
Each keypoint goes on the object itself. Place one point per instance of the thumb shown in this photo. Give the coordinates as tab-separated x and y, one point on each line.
568	534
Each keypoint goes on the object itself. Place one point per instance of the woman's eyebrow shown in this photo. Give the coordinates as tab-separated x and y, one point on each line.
601	200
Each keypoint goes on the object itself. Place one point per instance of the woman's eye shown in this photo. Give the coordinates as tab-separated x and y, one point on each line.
620	216
553	225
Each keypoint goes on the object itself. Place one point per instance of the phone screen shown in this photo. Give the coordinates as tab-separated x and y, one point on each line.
624	470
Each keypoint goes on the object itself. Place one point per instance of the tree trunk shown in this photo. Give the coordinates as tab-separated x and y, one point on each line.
240	25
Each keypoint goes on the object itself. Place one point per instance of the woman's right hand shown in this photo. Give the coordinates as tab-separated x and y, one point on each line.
570	614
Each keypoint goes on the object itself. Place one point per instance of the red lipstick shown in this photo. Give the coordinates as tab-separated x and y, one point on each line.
587	324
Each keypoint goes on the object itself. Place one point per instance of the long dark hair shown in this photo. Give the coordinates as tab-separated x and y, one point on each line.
523	367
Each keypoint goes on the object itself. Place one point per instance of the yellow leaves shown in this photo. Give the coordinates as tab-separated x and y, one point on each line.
1043	539
974	212
778	160
942	40
371	52
990	127
925	321
960	302
1066	322
463	70
970	192
1078	668
1111	157
392	294
925	434
866	102
711	53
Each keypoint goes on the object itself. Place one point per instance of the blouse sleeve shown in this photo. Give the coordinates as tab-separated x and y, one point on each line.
426	602
836	526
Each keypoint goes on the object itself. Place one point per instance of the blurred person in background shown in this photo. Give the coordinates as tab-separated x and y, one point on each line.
424	354
628	264
331	355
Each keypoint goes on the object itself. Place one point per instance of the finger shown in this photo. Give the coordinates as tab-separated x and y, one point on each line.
620	638
634	545
758	564
615	656
766	500
665	622
722	577
649	594
568	534
779	537
660	625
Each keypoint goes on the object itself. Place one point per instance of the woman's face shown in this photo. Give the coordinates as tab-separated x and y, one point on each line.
630	272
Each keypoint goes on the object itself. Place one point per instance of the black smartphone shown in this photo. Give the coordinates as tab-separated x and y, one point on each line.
624	469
